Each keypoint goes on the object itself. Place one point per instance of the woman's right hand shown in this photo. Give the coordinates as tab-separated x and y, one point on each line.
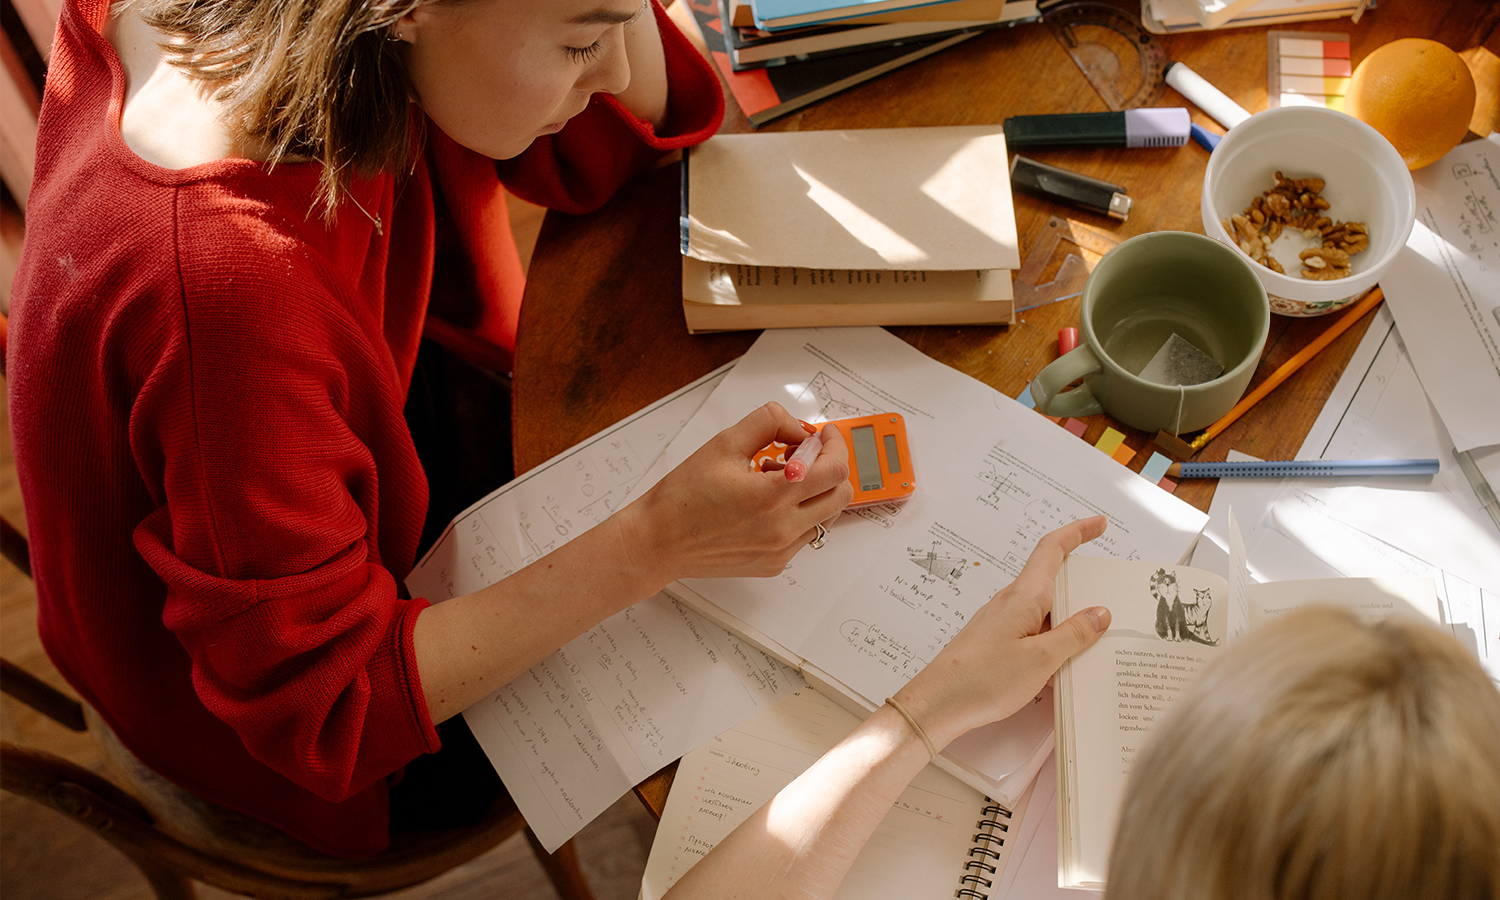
714	516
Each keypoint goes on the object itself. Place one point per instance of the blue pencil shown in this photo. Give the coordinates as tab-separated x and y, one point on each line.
1302	468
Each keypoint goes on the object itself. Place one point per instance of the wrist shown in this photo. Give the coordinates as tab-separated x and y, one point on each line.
934	711
644	556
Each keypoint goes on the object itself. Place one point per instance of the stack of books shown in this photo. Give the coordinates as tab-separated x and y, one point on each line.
780	55
898	226
1169	16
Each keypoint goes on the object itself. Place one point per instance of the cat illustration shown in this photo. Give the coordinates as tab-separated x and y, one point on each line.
1162	584
1193	626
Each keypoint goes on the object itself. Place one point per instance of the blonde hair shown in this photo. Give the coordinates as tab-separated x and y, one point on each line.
306	78
1320	757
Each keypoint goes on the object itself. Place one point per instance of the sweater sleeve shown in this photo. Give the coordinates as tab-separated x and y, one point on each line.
581	167
272	425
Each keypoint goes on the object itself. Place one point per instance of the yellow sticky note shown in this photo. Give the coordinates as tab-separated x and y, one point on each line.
1110	440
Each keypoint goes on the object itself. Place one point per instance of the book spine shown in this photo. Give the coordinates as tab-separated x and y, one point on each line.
982	869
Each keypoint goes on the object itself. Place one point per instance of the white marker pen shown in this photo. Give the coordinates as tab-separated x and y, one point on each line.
1207	97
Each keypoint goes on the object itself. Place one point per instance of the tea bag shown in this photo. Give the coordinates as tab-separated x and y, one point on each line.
1179	362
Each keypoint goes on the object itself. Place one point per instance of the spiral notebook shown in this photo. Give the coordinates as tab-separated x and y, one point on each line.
942	838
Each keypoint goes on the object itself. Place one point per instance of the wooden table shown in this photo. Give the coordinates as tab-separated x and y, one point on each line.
602	333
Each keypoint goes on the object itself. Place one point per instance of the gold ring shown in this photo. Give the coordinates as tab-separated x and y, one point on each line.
817	542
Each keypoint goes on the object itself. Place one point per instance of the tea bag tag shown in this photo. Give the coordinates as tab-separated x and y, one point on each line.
1179	362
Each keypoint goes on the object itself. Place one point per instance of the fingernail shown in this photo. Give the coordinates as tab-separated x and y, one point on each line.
1098	617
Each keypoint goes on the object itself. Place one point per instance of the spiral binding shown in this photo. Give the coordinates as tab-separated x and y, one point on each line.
990	833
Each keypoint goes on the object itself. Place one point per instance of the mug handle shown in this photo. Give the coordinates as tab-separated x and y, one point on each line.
1058	374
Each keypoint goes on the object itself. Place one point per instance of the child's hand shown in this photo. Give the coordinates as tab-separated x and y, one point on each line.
1006	652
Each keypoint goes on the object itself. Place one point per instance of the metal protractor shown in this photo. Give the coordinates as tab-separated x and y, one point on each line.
1124	62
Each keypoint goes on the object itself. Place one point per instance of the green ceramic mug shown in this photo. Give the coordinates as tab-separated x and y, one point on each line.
1140	294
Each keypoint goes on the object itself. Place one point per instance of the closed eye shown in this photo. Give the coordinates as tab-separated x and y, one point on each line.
581	55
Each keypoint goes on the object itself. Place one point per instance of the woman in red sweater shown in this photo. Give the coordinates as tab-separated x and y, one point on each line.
251	222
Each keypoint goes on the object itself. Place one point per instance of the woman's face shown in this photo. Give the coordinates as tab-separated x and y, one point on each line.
496	74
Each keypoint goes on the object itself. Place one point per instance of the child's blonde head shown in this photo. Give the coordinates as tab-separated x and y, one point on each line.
1320	758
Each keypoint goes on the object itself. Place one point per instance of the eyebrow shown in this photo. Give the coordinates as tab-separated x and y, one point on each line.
601	16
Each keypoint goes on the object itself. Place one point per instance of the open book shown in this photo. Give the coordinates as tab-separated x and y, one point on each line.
1168	622
941	837
859	617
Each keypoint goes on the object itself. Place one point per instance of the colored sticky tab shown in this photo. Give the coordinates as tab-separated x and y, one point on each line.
1320	68
1025	398
1308	84
1314	49
1156	467
1167	485
1076	427
1122	455
1109	441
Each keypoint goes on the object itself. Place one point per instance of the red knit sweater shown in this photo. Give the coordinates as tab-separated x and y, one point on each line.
206	387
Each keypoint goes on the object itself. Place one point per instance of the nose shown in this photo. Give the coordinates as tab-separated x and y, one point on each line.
610	72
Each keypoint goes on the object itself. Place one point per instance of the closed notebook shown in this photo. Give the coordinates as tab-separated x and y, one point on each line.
934	199
941	838
774	14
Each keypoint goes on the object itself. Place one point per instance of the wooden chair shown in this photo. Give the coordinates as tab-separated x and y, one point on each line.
175	838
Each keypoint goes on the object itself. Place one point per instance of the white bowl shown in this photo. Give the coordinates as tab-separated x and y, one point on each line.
1366	182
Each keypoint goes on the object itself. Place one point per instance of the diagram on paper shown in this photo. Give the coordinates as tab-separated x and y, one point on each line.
936	562
834	400
1033	505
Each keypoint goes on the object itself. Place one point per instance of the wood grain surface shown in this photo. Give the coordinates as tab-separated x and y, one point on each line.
602	331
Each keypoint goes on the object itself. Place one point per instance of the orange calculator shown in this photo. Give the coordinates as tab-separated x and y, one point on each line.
880	467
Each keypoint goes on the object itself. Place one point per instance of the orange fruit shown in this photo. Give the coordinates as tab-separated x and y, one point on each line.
1418	94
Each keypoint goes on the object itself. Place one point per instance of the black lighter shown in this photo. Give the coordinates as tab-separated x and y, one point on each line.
1069	187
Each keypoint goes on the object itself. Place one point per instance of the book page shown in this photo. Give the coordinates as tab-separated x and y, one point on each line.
627	697
1371	599
1167	622
919	850
894	583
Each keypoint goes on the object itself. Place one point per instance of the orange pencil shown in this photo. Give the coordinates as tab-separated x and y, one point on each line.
1188	448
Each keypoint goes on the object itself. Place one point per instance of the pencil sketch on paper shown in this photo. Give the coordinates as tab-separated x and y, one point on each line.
835	400
944	567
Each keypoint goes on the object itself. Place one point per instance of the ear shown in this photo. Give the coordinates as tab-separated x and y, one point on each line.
409	27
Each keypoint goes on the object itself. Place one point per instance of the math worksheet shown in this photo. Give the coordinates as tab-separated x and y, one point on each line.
1444	289
624	699
894	583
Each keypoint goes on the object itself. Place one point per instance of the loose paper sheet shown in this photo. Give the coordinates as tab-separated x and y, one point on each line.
895	582
579	729
1444	289
1326	527
919	850
880	198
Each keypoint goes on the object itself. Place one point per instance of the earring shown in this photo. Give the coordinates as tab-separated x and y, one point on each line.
394	37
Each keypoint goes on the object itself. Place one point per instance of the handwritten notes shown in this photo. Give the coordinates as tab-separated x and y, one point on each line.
625	698
893	585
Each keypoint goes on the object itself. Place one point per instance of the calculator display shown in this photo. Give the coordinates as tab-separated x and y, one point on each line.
866	458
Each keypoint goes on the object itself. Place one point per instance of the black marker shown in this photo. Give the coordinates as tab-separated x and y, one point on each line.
1069	187
1165	127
